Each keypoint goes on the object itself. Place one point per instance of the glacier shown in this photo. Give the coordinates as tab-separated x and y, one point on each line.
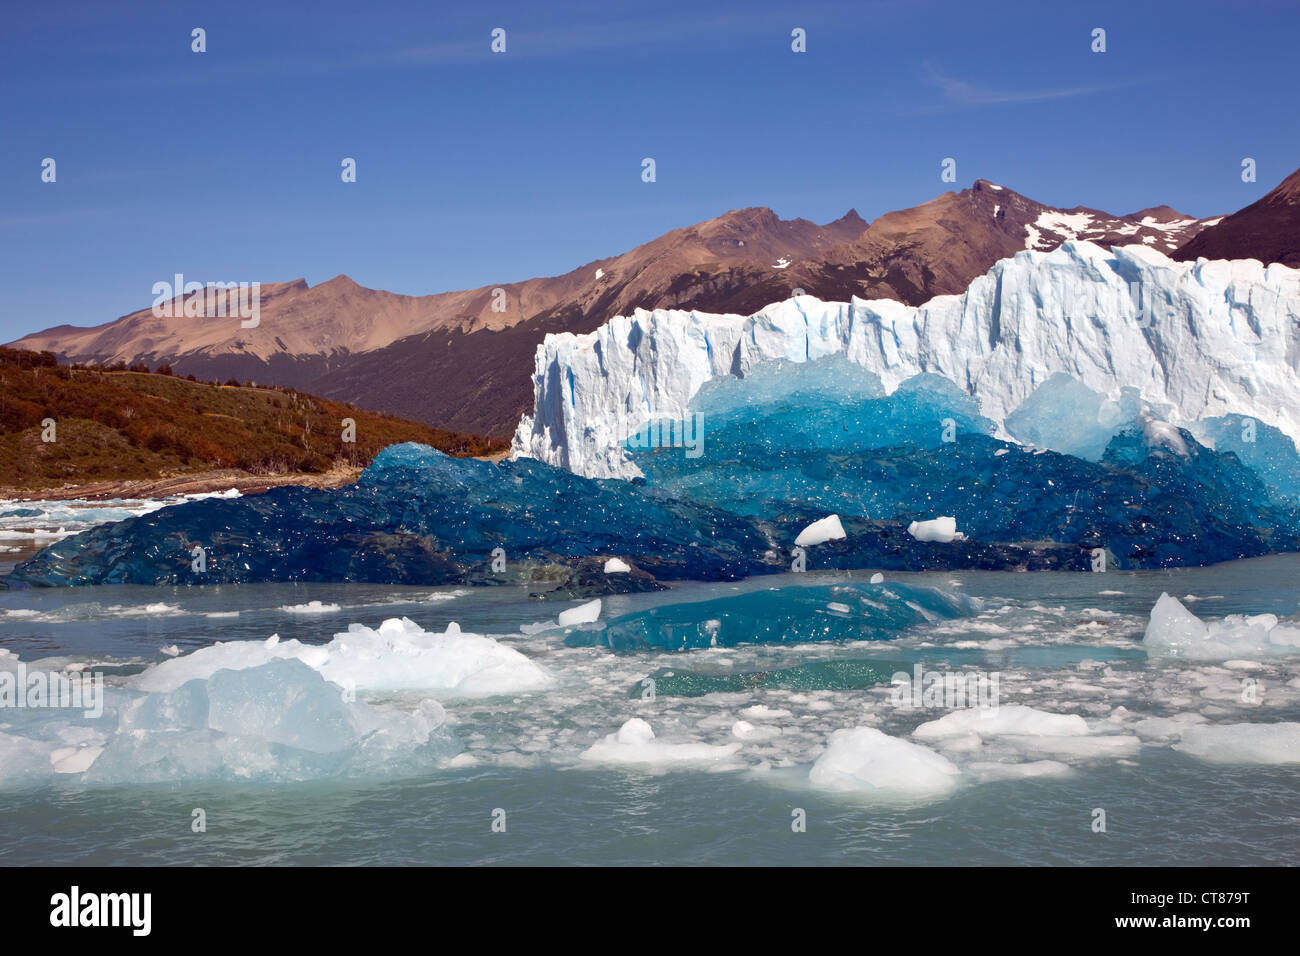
1193	340
1080	409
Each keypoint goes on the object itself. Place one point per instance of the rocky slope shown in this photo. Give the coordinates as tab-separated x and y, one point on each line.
454	361
1267	230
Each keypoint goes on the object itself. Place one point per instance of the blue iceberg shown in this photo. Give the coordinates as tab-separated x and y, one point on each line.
839	612
783	447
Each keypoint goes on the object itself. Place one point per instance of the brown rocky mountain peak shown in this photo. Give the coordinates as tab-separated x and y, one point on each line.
456	360
1267	230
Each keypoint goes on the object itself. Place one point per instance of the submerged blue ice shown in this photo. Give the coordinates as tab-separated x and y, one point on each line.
779	615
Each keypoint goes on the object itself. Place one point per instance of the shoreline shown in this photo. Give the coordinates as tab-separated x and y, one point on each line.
199	482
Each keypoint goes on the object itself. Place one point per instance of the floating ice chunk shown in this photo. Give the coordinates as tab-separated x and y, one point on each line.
1165	728
635	743
312	607
1005	719
864	758
280	720
398	655
826	529
272	702
1078	747
74	759
23	759
744	730
763	712
853	611
877	578
635	731
1174	631
617	566
987	771
937	529
1243	743
587	613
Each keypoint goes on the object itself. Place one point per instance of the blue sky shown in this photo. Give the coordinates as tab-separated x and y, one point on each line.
475	168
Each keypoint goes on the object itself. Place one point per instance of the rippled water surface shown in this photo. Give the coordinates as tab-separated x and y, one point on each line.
1062	643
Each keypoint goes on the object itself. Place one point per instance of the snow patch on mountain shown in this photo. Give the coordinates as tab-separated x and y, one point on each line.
1197	340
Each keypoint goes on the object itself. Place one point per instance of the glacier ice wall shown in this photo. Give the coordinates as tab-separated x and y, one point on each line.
1195	339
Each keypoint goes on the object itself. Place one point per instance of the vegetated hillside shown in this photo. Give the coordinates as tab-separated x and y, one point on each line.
122	424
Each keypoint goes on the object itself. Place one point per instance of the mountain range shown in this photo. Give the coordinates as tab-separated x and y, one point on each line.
464	360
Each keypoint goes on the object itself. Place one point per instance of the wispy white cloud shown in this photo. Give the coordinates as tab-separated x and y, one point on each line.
960	94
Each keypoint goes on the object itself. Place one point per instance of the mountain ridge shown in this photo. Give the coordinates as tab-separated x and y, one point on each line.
1268	230
381	350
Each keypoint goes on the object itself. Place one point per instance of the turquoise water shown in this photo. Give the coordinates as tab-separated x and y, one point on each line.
1061	642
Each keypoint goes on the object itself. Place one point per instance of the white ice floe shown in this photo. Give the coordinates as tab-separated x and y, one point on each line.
587	613
825	529
1005	719
617	566
989	771
397	656
635	743
1174	631
867	759
943	529
1243	743
311	607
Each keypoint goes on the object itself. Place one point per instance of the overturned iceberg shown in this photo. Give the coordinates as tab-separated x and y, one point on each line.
417	516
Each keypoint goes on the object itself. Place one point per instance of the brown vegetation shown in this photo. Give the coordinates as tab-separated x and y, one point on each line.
118	424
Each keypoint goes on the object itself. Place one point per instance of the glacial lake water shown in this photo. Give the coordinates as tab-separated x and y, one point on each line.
525	788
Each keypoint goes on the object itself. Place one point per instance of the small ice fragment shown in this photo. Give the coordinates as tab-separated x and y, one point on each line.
826	529
582	614
943	529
